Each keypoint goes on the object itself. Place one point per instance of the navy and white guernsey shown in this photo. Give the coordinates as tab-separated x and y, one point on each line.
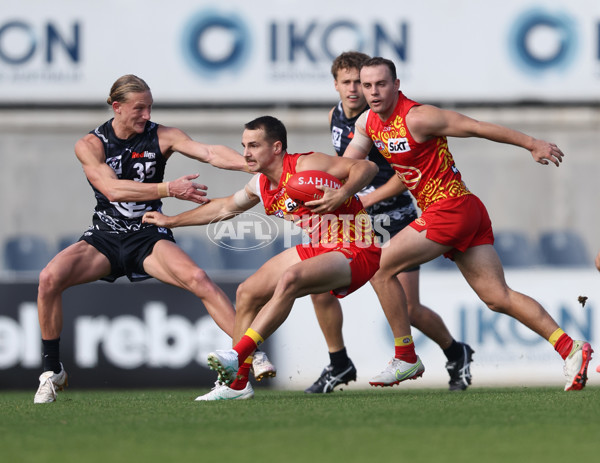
400	209
138	158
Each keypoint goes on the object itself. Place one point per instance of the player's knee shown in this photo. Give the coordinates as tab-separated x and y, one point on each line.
497	303
322	300
379	278
199	282
290	282
243	293
413	312
496	308
49	283
200	276
250	296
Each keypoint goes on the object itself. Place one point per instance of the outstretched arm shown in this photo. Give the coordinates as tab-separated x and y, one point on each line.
223	157
90	152
216	210
427	121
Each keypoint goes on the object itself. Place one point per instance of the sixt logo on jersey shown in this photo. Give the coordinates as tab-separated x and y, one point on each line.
398	145
145	154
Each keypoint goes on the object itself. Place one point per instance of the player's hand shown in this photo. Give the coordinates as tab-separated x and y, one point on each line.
544	153
365	199
156	218
331	200
184	188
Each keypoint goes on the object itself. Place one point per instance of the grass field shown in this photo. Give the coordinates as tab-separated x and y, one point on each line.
480	425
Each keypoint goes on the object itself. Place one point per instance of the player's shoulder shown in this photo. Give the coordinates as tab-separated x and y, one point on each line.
89	141
331	112
309	161
170	136
253	184
169	131
89	149
422	114
361	122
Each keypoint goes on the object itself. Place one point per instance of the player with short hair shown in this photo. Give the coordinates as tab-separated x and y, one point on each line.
390	214
335	260
454	222
124	161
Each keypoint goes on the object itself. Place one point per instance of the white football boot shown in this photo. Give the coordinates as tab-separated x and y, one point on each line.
50	382
262	366
225	363
576	365
224	392
398	371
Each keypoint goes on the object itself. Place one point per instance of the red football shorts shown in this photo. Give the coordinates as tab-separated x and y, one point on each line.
364	262
458	222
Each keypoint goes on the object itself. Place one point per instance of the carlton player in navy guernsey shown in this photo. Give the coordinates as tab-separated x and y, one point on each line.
124	161
138	158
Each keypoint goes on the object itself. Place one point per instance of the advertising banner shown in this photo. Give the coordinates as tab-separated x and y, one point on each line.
267	52
115	335
506	352
154	335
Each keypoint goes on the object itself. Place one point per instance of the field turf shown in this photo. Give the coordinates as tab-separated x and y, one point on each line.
480	425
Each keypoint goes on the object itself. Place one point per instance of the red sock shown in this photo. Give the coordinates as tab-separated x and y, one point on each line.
241	379
244	348
564	345
406	353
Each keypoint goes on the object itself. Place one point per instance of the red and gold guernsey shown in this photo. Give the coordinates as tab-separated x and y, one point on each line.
427	169
348	224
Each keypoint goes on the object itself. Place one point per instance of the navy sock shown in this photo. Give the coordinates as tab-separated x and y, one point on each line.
339	359
51	355
454	351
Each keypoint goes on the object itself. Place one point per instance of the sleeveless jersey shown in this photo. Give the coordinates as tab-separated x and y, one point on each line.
349	223
427	169
138	158
399	209
342	133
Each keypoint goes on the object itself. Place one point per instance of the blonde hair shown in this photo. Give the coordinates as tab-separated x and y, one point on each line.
124	85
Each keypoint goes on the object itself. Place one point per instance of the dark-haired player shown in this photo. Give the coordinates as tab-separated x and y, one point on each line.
390	215
454	222
340	257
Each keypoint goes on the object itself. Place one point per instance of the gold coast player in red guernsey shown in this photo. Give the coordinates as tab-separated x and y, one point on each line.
454	222
333	261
